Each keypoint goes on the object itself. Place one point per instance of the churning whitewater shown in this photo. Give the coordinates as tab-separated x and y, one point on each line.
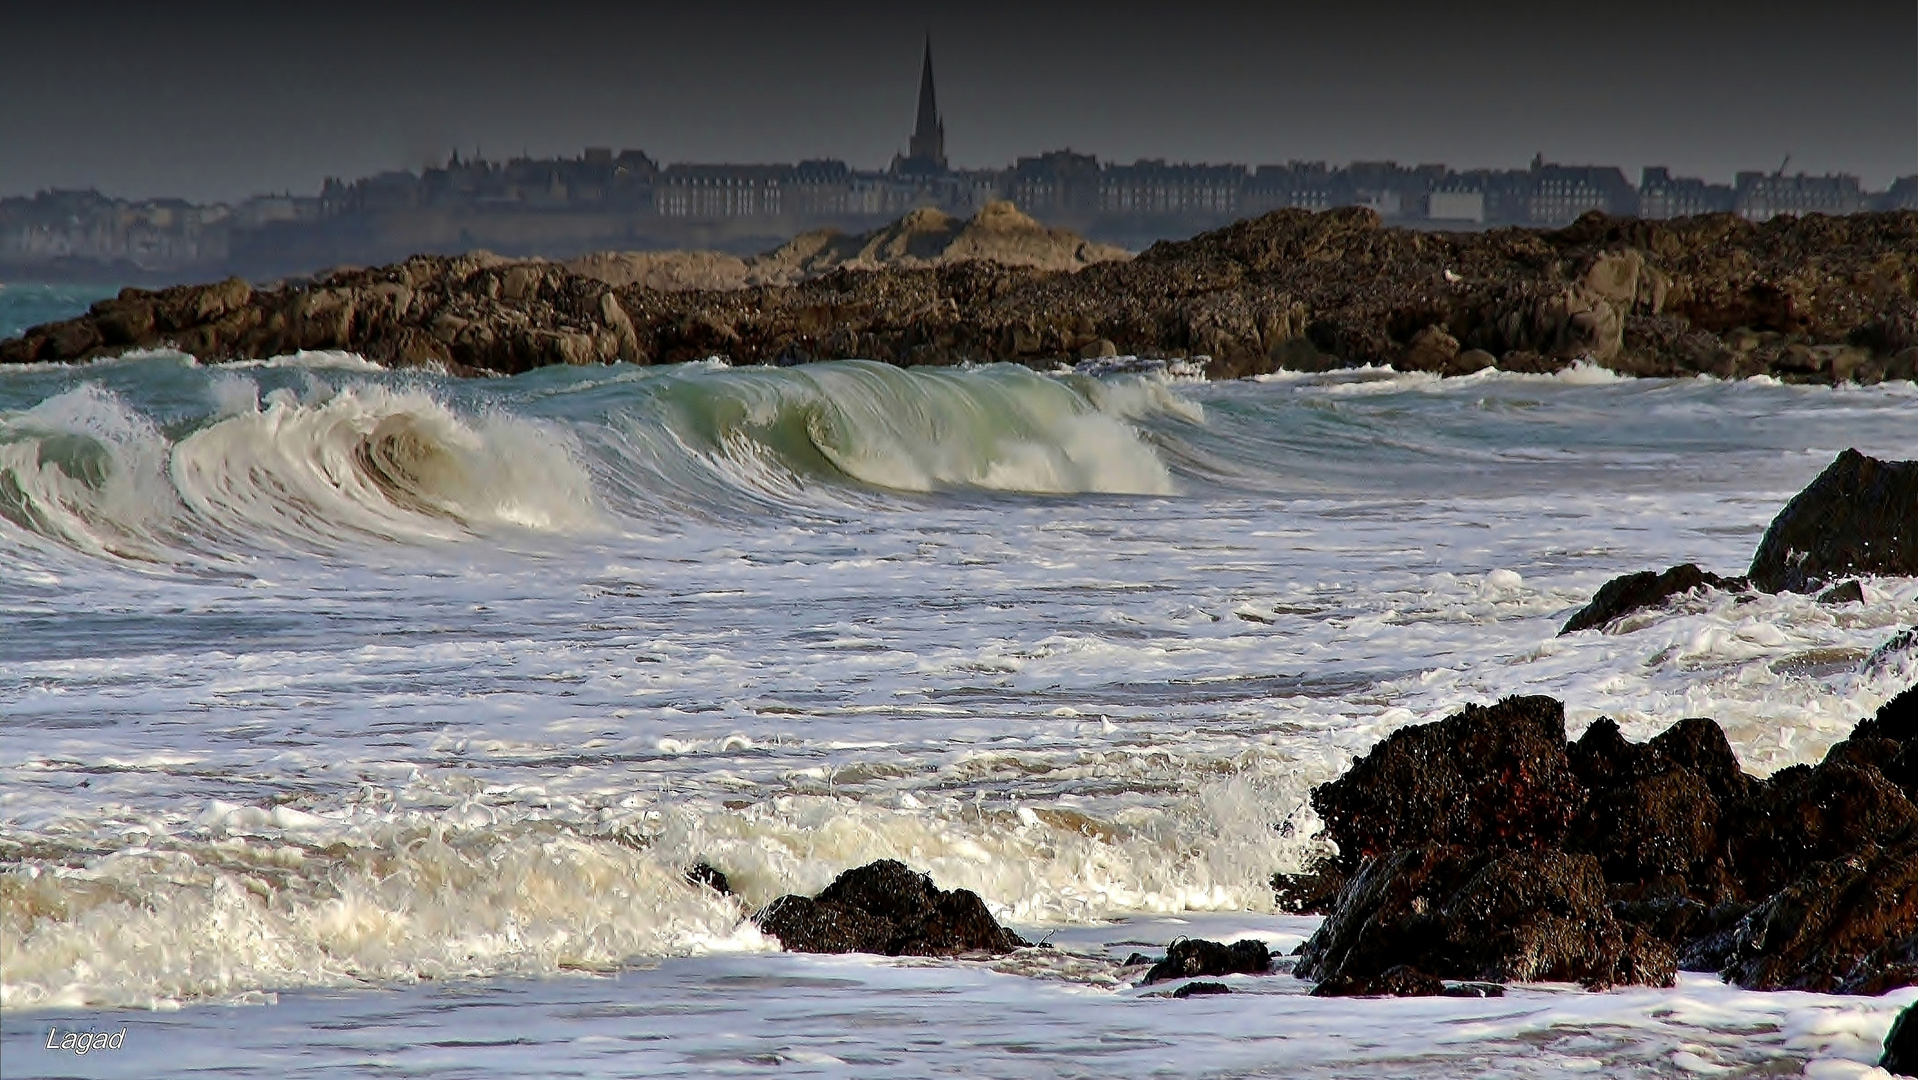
325	678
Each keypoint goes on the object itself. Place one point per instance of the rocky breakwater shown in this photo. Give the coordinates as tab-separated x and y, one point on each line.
1804	299
1487	847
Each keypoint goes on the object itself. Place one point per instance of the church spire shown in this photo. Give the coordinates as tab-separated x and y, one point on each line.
927	150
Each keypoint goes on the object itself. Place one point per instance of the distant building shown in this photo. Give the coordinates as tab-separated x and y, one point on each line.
926	150
1662	196
1461	206
1153	188
1903	195
1560	193
1763	196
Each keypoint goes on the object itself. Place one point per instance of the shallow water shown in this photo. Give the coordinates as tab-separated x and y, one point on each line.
402	701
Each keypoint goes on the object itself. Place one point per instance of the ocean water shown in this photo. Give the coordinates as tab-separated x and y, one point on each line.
366	721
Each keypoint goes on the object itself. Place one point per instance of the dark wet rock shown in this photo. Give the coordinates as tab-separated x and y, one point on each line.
1623	595
1811	299
1201	989
1488	777
1901	1045
704	873
1654	817
1847	925
1473	990
1859	517
885	907
1806	815
1191	957
1400	981
1309	893
1806	880
1896	719
1845	592
1497	916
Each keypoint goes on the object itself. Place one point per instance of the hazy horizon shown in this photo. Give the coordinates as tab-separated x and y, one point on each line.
217	99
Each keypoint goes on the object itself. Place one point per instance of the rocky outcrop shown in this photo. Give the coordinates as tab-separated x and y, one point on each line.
1484	850
1805	299
1860	517
1487	777
886	908
1628	593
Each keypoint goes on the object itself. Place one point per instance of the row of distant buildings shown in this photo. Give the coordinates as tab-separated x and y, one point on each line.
558	207
602	199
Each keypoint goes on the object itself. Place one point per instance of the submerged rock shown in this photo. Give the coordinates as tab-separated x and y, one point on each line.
887	908
1201	989
1400	981
1623	595
1190	957
1859	517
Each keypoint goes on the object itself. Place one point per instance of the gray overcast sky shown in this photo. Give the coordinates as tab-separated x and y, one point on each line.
220	99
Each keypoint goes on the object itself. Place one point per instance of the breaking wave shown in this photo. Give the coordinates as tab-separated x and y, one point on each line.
382	462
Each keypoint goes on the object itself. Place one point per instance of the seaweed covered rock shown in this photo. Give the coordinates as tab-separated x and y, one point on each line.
1190	957
1859	517
1488	777
885	907
1490	915
1623	595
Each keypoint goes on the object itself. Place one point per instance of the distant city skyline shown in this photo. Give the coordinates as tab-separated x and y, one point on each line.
215	100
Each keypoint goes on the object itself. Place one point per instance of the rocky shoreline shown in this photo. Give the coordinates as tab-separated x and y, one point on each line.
1812	299
1488	848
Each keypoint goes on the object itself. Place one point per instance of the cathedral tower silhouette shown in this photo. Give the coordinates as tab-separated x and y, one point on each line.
926	152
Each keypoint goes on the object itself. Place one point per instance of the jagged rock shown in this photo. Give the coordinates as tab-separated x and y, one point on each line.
1487	777
1655	817
1806	880
1623	595
1309	893
1190	957
1502	916
1848	925
1901	1045
886	908
1807	299
1806	815
1859	517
